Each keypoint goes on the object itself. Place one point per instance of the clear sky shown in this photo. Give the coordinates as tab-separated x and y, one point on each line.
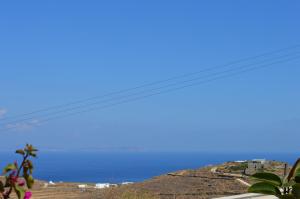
55	52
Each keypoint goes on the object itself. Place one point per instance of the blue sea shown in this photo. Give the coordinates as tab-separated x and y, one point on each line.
117	167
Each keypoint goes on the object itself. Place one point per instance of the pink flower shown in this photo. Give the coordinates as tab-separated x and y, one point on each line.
21	182
27	195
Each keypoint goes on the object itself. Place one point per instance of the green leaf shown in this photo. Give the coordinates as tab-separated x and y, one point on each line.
20	151
268	177
294	170
32	154
288	184
297	175
1	187
297	179
19	191
9	167
30	170
264	188
30	166
30	181
30	148
296	190
25	171
297	172
287	196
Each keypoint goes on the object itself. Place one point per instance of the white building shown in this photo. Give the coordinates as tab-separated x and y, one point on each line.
126	183
102	185
82	186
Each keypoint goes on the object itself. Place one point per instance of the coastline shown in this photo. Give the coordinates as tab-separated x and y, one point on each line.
205	182
116	168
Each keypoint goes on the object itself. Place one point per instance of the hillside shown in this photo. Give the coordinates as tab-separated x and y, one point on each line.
203	183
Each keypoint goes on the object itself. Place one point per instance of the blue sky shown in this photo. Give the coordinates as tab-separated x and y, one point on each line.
54	52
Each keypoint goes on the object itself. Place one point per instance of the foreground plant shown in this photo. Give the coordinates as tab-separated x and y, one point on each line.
271	184
18	178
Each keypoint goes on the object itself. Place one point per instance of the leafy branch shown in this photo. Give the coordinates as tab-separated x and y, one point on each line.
18	177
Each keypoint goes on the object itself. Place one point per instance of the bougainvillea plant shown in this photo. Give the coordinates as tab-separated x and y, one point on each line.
18	177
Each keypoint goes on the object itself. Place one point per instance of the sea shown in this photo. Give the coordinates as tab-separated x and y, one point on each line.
118	167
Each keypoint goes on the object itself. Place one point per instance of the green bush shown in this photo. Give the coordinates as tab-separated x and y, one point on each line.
240	167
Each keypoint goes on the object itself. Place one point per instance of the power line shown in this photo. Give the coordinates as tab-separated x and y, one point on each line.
232	73
149	84
174	89
149	90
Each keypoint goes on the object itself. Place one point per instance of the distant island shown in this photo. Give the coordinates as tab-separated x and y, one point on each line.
212	181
